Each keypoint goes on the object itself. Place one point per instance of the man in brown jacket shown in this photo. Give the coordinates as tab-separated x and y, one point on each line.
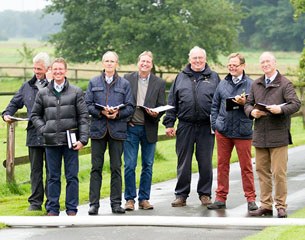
271	134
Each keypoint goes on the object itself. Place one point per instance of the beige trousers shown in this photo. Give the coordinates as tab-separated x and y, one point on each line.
271	167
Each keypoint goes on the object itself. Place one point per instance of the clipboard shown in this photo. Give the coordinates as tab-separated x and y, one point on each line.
231	105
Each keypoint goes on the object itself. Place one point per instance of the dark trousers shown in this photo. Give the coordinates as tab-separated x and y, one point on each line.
54	158
98	148
192	137
37	156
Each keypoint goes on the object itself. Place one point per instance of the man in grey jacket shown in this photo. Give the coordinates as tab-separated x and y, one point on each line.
58	108
271	133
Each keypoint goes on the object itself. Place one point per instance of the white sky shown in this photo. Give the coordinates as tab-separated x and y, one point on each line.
22	5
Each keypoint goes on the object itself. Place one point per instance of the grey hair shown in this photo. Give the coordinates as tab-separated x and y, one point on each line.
43	57
270	54
196	48
108	52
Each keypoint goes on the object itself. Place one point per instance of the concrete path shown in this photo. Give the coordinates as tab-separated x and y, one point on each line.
193	221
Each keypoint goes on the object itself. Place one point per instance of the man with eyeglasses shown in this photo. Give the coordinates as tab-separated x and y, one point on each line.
191	95
233	129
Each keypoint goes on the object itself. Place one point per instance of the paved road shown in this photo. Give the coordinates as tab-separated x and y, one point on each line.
97	227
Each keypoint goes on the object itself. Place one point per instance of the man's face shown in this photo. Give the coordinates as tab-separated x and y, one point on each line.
59	72
110	63
235	67
145	64
268	64
39	70
197	60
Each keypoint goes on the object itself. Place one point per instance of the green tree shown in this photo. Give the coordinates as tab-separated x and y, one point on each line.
26	54
169	28
299	6
270	25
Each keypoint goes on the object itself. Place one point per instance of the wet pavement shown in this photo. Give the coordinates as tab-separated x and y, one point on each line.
214	223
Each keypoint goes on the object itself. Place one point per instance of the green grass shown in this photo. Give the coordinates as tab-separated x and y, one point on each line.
283	232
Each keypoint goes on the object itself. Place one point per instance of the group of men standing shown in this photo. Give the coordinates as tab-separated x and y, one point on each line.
123	118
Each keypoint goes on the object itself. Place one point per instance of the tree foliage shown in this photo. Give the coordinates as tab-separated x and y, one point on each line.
271	25
26	54
168	28
299	6
28	24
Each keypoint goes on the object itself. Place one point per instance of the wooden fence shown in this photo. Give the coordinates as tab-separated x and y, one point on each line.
25	73
10	162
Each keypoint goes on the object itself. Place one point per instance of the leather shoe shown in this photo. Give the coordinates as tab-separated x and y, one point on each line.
118	210
145	205
281	213
252	206
52	214
261	212
205	200
179	202
71	213
129	205
217	205
93	210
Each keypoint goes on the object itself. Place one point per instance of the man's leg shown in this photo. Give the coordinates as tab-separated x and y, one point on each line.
36	155
263	169
54	158
224	149
243	148
148	154
204	153
98	147
71	173
131	148
279	158
184	149
115	152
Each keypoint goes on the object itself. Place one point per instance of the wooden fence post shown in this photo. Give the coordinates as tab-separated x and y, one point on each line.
10	153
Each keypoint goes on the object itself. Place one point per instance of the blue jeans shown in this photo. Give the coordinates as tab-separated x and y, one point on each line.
54	158
136	135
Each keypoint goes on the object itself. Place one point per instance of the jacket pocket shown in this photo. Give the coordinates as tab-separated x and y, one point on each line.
245	127
221	125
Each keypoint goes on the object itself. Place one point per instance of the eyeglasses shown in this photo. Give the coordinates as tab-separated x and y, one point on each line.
233	65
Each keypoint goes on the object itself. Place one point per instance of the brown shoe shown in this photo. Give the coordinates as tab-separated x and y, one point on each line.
179	202
281	213
205	200
71	213
261	212
145	205
129	205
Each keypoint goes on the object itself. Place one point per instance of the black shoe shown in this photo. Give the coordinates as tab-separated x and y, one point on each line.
34	208
93	210
252	206
217	205
118	209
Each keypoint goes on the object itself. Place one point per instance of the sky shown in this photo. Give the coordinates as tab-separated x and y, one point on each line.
22	5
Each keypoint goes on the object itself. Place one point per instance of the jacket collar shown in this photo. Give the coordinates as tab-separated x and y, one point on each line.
206	72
